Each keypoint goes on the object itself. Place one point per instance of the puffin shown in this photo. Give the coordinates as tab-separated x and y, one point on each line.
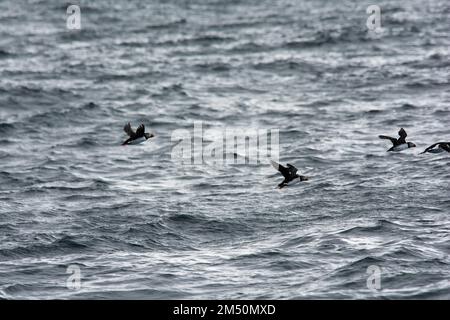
400	143
441	147
137	137
289	174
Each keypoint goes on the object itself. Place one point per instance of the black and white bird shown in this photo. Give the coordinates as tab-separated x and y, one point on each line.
438	148
137	137
400	143
289	174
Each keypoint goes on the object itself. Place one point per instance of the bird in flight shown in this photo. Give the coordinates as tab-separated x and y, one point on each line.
289	174
400	143
441	147
136	137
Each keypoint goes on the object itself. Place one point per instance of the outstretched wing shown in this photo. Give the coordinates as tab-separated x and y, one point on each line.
393	140
283	170
430	147
403	135
140	131
293	170
129	131
282	184
446	146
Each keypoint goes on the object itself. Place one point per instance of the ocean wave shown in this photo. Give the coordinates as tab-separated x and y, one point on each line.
207	226
5	54
203	40
6	128
52	117
380	227
62	245
288	65
213	67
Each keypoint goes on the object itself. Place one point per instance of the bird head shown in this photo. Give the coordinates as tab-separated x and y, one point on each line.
411	145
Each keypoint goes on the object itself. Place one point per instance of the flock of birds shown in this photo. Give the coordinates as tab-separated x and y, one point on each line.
290	172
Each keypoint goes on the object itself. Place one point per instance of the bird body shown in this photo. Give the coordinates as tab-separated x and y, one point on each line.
137	141
289	173
400	147
137	137
438	147
400	143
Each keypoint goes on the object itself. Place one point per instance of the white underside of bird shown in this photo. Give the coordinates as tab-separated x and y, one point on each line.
436	150
401	147
138	141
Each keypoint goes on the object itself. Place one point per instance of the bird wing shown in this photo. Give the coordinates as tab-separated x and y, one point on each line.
282	184
126	141
446	146
129	131
283	170
293	170
402	133
140	131
431	147
393	140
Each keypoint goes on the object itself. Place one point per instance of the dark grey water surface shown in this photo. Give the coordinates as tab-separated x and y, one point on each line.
141	226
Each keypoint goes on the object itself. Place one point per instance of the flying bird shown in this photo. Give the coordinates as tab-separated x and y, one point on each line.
400	143
137	137
289	174
441	147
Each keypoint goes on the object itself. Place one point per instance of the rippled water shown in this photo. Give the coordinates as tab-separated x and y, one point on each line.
140	225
